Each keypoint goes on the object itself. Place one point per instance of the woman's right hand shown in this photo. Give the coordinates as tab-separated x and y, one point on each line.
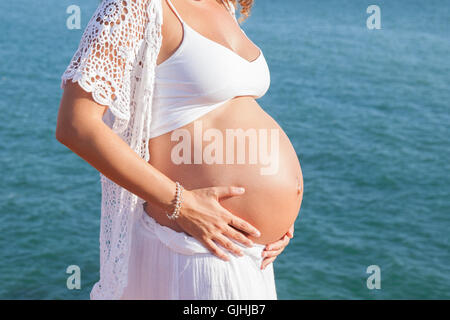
205	219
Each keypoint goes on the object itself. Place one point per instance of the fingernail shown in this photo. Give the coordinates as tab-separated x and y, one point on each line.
240	190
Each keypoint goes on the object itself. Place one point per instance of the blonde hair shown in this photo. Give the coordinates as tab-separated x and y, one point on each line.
246	6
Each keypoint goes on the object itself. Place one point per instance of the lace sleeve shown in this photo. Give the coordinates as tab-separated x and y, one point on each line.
116	62
106	58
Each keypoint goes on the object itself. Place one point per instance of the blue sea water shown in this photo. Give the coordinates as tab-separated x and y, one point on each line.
366	110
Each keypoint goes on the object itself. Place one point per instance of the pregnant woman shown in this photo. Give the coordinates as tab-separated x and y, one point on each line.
200	186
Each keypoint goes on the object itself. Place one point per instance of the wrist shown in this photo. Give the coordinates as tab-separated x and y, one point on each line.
176	202
164	198
189	200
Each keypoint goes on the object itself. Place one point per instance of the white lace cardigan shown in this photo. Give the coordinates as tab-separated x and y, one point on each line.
116	61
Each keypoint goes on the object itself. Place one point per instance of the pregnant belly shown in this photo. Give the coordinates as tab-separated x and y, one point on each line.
237	144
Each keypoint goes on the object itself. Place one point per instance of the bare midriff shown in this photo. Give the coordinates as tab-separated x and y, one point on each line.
273	191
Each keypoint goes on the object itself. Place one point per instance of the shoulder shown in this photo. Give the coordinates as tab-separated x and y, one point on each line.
124	22
120	12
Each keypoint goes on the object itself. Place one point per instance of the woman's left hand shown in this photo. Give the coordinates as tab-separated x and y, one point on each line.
272	250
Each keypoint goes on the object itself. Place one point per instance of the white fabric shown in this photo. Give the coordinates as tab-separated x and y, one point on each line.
165	264
200	76
116	62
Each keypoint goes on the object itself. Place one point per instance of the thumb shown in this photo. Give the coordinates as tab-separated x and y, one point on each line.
226	192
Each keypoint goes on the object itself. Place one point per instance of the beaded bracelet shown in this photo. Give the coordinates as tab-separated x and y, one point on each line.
178	199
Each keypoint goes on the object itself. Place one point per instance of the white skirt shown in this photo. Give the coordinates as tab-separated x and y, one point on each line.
165	264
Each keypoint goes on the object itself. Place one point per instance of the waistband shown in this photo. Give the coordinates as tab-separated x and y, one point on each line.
183	243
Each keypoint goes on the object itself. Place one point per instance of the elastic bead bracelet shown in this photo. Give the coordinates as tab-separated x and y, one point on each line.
178	199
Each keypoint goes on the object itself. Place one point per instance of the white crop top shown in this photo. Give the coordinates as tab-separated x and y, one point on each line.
200	76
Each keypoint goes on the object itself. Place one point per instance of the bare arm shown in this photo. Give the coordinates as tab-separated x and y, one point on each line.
80	127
